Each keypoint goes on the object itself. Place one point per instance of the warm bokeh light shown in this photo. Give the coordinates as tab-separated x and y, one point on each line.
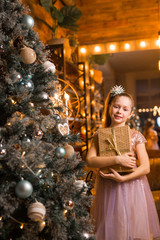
127	46
97	49
93	102
66	96
81	83
112	47
143	44
92	72
93	116
159	64
83	50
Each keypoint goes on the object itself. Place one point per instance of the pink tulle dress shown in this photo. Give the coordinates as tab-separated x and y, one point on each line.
125	211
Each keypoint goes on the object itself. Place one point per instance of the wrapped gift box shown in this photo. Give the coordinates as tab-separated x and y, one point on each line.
114	141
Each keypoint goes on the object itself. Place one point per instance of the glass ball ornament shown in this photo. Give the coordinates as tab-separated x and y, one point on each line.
3	151
38	134
68	204
28	55
28	21
60	152
23	189
57	117
26	86
16	77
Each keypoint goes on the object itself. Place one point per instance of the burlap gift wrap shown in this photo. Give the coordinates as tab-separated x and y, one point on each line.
114	141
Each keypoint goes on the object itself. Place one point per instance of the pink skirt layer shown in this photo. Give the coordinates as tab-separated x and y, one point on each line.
125	211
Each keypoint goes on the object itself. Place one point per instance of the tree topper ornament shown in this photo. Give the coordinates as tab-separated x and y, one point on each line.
116	90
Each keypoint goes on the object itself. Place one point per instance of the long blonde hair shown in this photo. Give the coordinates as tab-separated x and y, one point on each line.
108	102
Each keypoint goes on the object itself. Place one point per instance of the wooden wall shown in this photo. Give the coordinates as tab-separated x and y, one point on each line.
36	11
117	20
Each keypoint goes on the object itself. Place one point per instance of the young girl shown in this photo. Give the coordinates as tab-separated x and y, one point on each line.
124	206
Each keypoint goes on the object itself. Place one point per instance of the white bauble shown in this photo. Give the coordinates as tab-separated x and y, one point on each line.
49	66
36	211
81	184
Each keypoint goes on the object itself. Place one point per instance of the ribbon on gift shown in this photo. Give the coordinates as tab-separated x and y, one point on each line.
112	142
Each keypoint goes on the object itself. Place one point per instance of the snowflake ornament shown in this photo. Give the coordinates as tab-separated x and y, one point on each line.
116	90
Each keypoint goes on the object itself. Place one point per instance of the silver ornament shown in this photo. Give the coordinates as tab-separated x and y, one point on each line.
26	86
16	77
24	189
60	152
28	21
3	151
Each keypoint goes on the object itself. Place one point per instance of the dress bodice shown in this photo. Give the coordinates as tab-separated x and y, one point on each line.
136	138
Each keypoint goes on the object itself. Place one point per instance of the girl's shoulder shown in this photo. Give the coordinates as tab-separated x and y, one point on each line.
137	136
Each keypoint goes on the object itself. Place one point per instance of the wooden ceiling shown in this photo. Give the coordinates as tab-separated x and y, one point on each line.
117	20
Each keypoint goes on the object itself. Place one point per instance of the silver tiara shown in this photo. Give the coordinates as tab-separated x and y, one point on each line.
116	90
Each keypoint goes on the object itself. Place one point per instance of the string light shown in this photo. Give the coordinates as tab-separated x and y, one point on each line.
83	50
32	104
112	47
13	102
155	110
127	46
22	225
97	49
142	44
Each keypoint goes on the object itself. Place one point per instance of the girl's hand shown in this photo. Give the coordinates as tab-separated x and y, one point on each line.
114	175
127	160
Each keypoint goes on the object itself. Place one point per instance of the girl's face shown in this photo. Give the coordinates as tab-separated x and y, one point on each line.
120	110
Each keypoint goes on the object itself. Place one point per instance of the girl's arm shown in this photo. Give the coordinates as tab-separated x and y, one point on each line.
95	161
143	169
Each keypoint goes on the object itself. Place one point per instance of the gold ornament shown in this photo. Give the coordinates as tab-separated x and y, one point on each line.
28	55
36	211
69	151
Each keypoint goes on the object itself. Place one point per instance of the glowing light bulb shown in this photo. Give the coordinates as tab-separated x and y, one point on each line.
83	50
127	46
97	49
142	44
22	225
92	72
112	47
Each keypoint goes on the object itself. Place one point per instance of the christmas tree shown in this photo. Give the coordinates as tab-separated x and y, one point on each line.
42	191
